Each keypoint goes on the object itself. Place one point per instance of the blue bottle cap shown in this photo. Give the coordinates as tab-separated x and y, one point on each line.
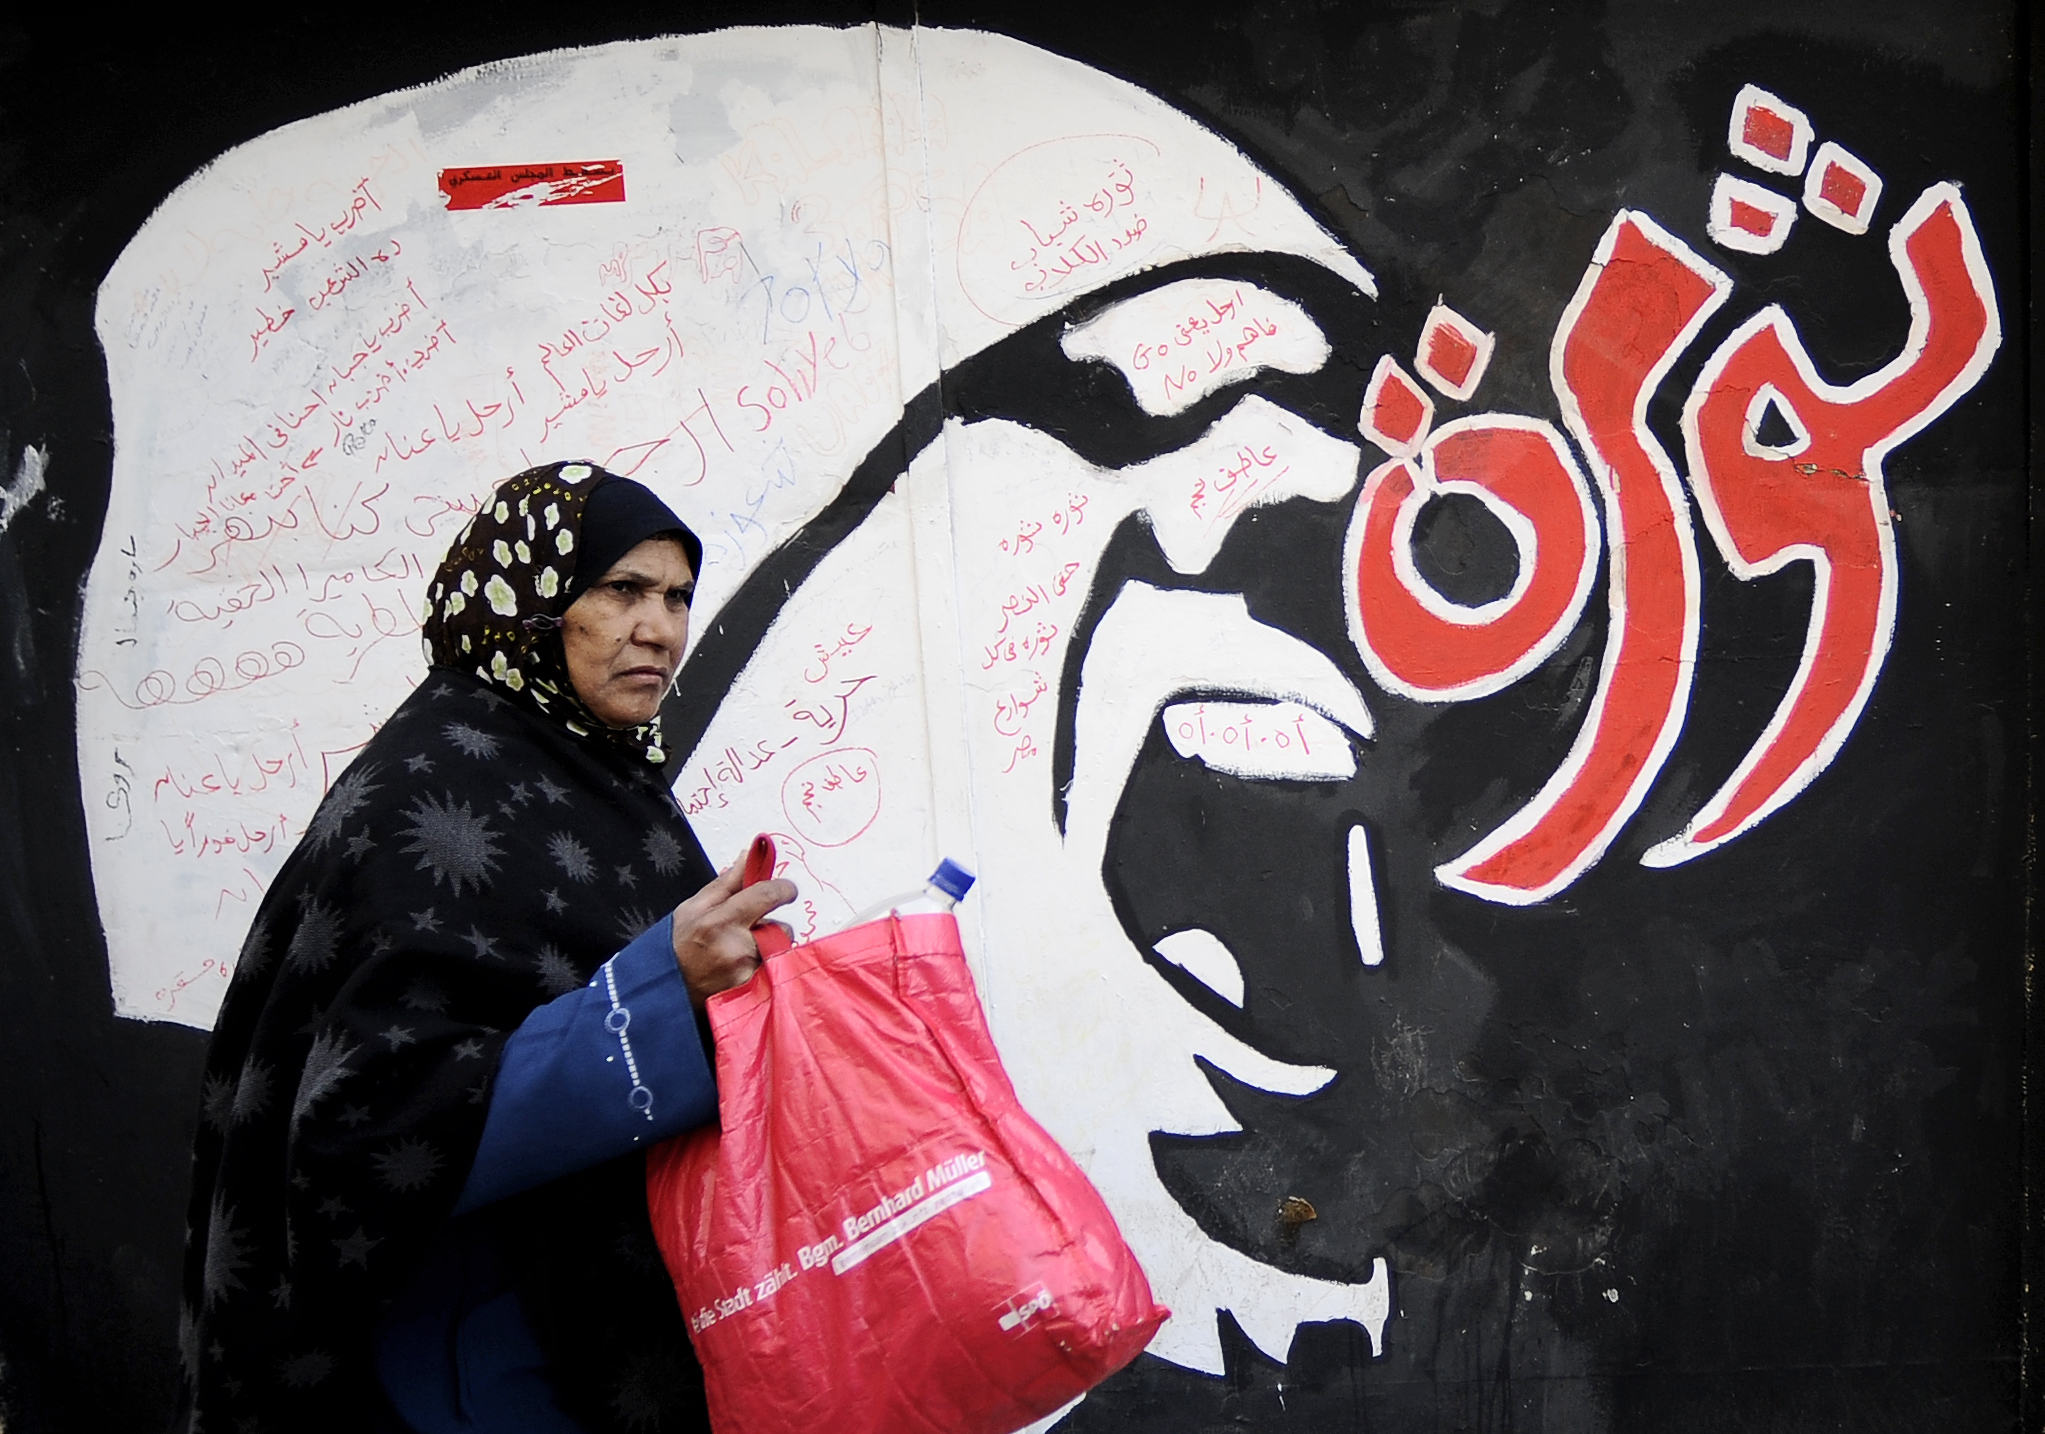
952	879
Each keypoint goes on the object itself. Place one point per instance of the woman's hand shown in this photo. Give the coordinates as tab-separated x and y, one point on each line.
714	943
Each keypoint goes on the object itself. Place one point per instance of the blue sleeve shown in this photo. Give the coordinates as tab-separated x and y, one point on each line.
614	1067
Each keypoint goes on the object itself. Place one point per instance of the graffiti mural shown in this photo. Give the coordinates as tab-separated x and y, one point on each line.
1431	707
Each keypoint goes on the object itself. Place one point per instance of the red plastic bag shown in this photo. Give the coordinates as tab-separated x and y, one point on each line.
879	1238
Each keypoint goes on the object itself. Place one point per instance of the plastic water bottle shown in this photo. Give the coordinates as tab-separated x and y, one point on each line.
946	887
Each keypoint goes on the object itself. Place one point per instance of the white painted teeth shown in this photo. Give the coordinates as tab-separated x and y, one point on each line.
1201	955
1363	900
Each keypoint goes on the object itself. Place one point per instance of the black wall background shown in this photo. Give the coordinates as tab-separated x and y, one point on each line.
1862	957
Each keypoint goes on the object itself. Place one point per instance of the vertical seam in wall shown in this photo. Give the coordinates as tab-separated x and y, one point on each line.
903	383
943	670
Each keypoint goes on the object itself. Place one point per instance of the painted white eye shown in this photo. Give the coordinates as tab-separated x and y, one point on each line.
1272	740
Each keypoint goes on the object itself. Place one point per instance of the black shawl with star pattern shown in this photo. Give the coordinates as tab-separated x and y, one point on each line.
476	860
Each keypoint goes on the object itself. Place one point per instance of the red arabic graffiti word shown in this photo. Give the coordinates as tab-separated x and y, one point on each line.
834	796
1818	497
1640	304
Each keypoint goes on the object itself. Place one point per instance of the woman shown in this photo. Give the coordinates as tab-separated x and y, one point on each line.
418	1200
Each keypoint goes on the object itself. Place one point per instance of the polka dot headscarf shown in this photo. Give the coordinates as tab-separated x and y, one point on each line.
494	608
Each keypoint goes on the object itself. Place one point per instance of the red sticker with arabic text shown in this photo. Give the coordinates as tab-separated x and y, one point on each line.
512	186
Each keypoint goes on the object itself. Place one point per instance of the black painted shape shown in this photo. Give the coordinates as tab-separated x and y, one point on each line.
1463	551
1773	431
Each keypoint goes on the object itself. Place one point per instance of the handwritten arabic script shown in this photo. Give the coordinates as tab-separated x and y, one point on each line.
1177	344
1055	218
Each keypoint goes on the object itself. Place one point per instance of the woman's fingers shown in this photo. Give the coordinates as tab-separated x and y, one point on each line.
713	932
753	903
708	902
714	954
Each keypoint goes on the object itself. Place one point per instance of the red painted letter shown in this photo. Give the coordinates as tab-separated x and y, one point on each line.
1418	643
1818	497
1640	304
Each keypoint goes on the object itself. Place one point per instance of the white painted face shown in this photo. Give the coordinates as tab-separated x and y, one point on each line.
1067	990
1104	1048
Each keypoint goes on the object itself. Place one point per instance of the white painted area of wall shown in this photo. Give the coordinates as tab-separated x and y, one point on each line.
1177	344
1257	453
1260	739
816	222
317	368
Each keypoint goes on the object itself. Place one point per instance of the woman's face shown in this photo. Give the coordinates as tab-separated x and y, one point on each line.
624	636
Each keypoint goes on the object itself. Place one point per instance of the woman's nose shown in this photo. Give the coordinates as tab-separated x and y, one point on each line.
657	627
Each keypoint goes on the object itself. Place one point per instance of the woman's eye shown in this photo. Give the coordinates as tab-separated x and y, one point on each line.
1272	740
